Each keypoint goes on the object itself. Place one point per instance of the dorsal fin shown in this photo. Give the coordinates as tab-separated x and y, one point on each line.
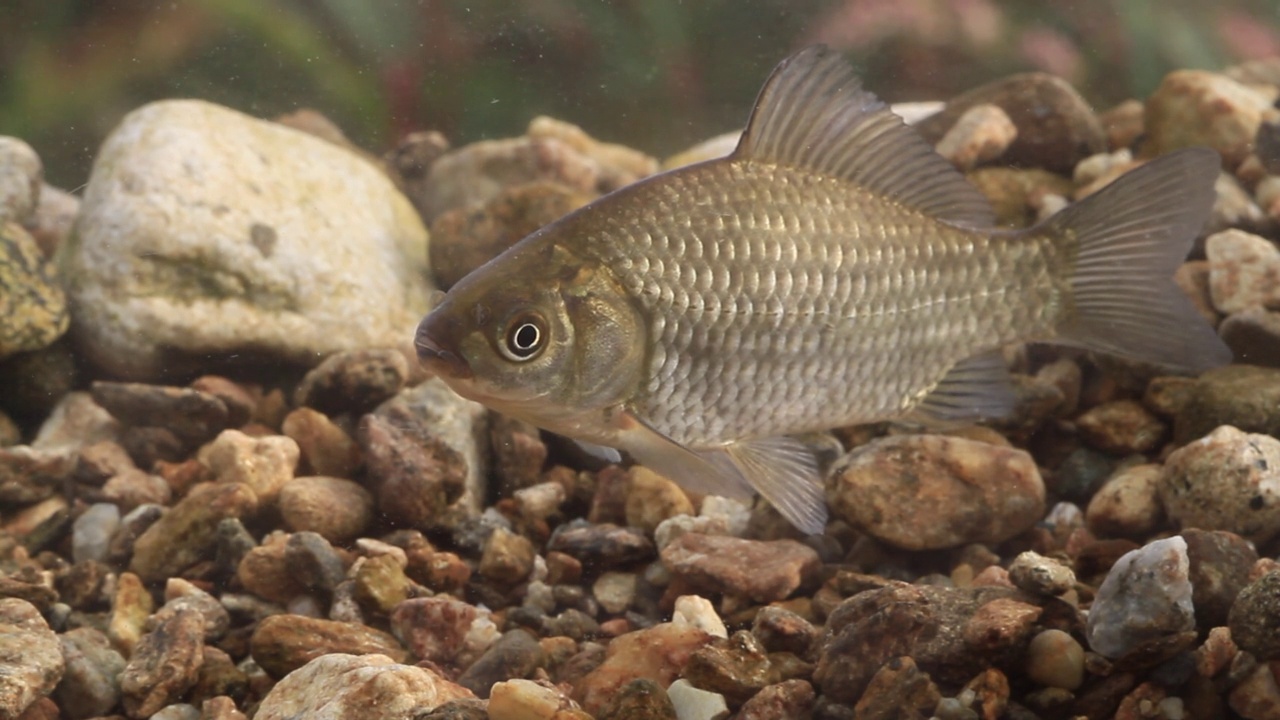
813	113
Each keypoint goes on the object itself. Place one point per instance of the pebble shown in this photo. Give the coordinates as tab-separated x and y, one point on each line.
353	381
164	665
371	687
658	653
1244	271
54	218
1242	396
1121	427
1221	563
29	475
1255	618
519	454
692	703
219	676
33	308
266	570
31	661
1257	696
1056	128
1253	336
1039	575
424	457
264	464
1055	659
1196	107
434	628
21	174
782	701
516	654
90	686
324	447
922	492
507	558
652	498
283	643
762	571
313	562
980	135
899	685
380	584
273	281
76	421
1230	480
520	699
698	612
1145	598
601	546
1128	504
193	416
182	596
640	699
177	711
736	667
615	591
464	238
338	510
540	501
188	533
133	488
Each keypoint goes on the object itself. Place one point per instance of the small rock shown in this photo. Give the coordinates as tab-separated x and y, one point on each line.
1196	107
188	533
736	667
762	571
921	492
220	708
1056	128
516	654
698	612
338	510
1055	659
54	217
691	703
33	308
640	699
370	687
433	628
264	464
31	662
1229	481
1243	396
1221	563
1013	190
265	570
1244	271
313	562
507	558
1121	427
380	584
518	454
130	609
354	381
76	422
615	591
133	487
783	701
90	686
1257	697
1128	504
99	462
1255	618
425	462
284	643
896	687
1253	336
28	475
520	699
181	596
270	280
781	630
177	711
657	653
982	134
540	501
464	238
164	665
190	414
219	676
325	448
1036	574
1146	597
601	546
652	499
21	174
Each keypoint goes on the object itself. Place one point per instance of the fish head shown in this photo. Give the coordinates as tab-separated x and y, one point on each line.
540	334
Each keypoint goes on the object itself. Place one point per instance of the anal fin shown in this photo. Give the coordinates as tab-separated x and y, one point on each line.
975	388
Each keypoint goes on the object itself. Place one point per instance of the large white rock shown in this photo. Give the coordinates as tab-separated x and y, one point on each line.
208	232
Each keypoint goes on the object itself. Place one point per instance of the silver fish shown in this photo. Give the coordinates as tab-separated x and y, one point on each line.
834	269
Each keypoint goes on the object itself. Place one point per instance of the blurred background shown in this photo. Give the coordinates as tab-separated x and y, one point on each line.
655	74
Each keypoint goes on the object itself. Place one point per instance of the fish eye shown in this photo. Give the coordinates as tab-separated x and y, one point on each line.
525	337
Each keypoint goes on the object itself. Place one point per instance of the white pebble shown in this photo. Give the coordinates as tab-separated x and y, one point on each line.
180	711
694	704
700	613
92	531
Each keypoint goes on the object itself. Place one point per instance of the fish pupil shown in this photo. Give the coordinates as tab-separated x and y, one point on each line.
524	339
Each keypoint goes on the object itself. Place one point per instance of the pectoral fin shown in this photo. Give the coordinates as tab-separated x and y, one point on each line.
783	470
607	454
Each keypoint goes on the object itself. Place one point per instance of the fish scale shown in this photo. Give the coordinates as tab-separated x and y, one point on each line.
897	290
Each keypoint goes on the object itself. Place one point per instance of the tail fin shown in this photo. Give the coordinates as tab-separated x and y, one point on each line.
1129	239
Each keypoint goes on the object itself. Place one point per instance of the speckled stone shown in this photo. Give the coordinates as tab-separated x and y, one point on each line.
1255	618
1230	481
1146	597
1121	427
640	699
762	571
188	533
736	667
164	665
1128	504
516	654
1196	107
33	307
91	683
785	700
353	381
653	498
657	653
31	661
1221	563
601	546
1242	396
284	643
507	557
371	687
1040	575
337	509
433	628
264	464
1244	271
981	134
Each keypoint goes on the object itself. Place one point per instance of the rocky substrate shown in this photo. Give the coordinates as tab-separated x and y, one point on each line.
227	490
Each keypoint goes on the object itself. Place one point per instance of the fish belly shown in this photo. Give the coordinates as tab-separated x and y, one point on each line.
782	302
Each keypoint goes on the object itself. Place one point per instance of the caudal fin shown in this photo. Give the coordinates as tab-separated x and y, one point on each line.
1128	240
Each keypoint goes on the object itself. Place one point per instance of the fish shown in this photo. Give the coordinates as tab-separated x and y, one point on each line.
832	270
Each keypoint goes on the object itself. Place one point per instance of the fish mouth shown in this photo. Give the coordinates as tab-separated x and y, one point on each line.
433	355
